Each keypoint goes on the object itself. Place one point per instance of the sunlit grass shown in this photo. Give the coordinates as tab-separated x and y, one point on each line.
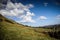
19	32
9	31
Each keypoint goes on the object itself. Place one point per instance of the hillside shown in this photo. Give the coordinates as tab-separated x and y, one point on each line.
10	30
51	30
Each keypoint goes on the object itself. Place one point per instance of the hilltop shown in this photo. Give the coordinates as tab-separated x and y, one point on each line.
10	30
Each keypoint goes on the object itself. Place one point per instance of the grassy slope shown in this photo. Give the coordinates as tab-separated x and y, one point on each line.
13	31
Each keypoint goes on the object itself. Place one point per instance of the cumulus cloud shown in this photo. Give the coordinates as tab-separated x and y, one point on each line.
18	10
58	17
42	17
28	17
30	14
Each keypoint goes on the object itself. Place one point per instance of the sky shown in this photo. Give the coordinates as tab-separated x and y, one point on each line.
32	12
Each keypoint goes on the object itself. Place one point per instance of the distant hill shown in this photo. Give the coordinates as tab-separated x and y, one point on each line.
55	27
10	30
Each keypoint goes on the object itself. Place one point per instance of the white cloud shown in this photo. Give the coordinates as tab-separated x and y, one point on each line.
42	17
45	4
28	17
30	6
58	17
18	10
30	14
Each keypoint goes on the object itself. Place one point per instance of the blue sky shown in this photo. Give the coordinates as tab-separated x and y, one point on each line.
36	13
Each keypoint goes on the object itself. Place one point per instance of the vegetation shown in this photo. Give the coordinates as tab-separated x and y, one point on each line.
10	30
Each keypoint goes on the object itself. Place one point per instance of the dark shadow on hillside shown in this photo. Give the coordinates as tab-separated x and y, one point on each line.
54	34
9	21
1	20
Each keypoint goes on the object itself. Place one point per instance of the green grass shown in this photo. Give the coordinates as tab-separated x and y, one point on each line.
18	32
9	31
